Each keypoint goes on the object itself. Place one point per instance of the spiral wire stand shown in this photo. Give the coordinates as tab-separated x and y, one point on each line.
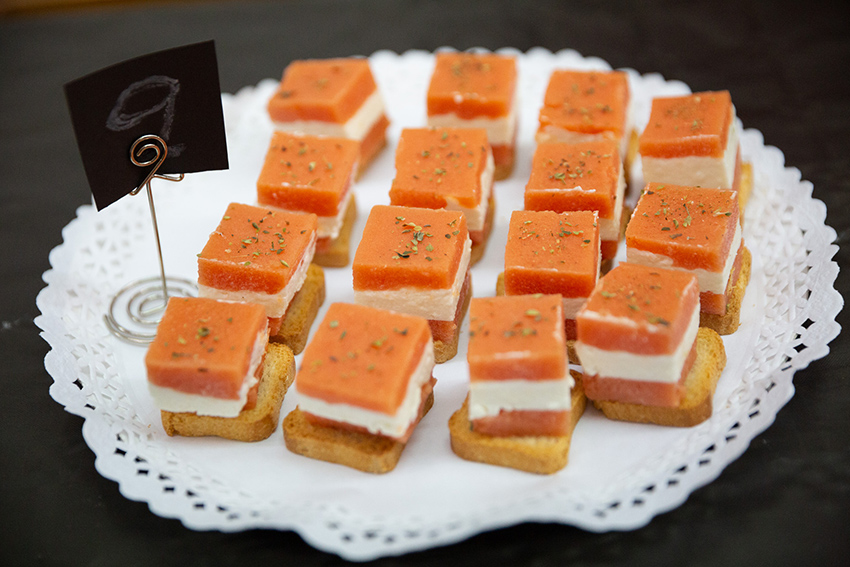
137	308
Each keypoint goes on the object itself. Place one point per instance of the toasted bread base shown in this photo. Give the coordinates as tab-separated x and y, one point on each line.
696	405
541	455
746	187
445	351
361	451
632	149
302	311
478	248
250	425
339	253
729	322
571	344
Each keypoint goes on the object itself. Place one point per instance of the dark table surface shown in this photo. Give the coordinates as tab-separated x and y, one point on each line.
786	501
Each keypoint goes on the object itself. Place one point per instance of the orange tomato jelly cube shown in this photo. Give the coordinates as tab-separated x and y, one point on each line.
586	102
516	338
691	125
255	249
362	356
409	247
307	173
435	166
204	346
472	85
693	227
552	253
326	90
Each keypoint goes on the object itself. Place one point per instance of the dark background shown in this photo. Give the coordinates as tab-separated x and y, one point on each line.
786	501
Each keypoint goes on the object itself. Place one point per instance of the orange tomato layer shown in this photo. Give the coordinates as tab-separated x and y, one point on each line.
329	90
574	177
362	357
516	337
472	85
307	173
524	422
445	331
409	247
427	389
204	346
668	394
547	252
255	249
588	102
691	125
434	165
692	226
639	309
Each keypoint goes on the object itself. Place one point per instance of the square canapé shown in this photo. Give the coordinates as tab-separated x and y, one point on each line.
332	97
580	177
367	370
519	379
206	356
477	90
692	140
447	168
637	334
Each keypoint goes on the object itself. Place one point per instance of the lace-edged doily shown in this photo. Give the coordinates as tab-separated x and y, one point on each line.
788	320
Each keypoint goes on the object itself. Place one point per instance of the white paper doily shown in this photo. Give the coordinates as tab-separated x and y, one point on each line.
620	475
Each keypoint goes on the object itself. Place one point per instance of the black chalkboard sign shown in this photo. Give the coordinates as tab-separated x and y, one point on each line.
174	94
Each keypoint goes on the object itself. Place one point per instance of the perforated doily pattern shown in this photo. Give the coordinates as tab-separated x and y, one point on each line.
785	230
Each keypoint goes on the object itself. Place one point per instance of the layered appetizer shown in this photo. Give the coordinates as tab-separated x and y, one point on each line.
698	231
645	357
364	383
212	371
522	403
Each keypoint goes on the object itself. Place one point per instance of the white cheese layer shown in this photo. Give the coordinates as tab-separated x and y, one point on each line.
355	128
488	397
696	171
665	368
476	217
434	304
714	282
275	303
172	400
375	422
329	227
500	131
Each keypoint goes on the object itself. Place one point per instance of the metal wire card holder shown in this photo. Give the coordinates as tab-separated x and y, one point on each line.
137	308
